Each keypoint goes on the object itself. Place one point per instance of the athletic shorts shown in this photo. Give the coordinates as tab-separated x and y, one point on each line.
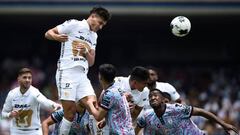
37	131
73	84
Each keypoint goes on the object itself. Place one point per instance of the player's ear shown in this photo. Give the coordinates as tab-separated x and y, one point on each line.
18	78
100	77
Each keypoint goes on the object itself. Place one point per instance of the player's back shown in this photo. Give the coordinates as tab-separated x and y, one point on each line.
118	117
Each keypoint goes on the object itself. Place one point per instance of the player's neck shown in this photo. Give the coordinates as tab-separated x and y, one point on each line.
107	85
23	90
160	110
151	85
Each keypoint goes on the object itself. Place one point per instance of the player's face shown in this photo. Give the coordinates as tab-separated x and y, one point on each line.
156	98
139	85
96	22
153	76
25	80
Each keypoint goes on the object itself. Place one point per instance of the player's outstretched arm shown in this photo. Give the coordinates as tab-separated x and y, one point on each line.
201	112
53	34
49	104
45	125
99	114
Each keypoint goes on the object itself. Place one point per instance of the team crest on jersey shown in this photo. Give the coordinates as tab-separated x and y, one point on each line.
170	121
84	39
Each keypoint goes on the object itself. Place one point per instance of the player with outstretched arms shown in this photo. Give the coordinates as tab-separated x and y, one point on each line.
22	106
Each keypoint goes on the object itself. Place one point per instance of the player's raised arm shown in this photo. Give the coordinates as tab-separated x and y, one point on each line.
53	34
201	112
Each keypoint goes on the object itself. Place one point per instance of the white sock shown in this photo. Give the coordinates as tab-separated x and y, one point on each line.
65	127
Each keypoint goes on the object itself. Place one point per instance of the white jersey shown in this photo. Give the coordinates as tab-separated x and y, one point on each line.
28	106
139	98
77	31
164	87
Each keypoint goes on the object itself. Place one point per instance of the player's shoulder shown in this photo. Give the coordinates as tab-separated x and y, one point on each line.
109	92
72	21
120	79
145	90
33	89
13	91
148	112
174	106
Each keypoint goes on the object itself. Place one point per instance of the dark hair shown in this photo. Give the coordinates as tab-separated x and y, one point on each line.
23	71
139	74
152	68
102	12
108	72
164	94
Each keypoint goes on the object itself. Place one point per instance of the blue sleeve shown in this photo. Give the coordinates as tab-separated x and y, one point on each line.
141	122
57	116
107	100
184	111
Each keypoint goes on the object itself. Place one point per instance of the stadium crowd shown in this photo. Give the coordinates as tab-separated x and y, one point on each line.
216	89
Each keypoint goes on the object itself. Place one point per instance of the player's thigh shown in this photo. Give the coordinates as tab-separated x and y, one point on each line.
69	108
85	90
66	84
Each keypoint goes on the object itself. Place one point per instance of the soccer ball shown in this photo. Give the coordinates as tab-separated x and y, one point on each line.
180	26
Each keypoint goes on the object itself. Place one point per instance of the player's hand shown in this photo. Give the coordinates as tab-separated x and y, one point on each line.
228	128
80	48
131	106
14	114
57	106
101	124
61	37
128	96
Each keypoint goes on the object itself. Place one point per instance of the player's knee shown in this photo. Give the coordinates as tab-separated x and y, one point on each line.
69	113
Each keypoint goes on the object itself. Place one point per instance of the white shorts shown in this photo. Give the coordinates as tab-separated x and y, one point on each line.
73	84
26	131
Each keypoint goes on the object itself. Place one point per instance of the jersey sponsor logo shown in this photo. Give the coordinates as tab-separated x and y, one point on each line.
21	106
84	39
67	86
79	59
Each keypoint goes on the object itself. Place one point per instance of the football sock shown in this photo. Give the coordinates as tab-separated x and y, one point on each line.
65	127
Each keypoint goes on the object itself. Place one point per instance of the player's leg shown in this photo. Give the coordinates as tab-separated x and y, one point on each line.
69	108
87	97
86	101
67	94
